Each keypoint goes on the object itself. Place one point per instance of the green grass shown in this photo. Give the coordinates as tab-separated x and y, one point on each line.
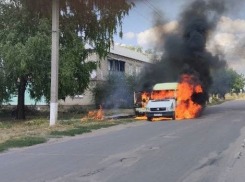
80	130
22	142
5	125
71	132
36	129
216	102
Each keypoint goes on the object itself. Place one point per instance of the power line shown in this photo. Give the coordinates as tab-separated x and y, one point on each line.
142	15
152	7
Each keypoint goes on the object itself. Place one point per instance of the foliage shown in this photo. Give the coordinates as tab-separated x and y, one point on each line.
23	142
4	95
139	49
97	21
239	83
149	52
133	48
117	92
25	43
225	81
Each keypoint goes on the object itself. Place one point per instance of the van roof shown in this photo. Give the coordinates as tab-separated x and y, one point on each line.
166	86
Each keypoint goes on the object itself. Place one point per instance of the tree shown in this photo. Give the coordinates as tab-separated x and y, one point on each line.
25	43
149	52
133	48
239	83
4	95
226	80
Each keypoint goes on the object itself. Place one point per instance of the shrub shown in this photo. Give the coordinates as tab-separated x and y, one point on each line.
116	92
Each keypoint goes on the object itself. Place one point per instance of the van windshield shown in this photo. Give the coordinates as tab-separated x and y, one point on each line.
162	94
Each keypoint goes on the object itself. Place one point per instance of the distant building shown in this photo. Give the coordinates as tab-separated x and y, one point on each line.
119	60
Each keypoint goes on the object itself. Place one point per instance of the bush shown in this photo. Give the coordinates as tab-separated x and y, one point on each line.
116	92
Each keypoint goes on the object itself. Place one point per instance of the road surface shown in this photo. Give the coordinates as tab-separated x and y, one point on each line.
206	149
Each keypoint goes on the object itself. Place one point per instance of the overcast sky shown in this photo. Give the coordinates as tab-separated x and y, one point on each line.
138	28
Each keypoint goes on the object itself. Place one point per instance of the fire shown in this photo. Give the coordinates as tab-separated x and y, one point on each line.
99	115
161	119
153	119
162	94
186	108
145	96
141	117
144	99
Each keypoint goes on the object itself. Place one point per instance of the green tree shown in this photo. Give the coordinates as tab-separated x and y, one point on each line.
149	52
239	83
226	80
133	48
4	95
25	43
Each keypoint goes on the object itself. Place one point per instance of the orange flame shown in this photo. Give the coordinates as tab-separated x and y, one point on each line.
162	94
161	119
186	108
141	117
99	115
144	99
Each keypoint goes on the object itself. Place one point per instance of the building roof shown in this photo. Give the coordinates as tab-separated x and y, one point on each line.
122	51
166	86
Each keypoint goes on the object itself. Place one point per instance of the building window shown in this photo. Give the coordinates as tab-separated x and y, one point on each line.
93	75
116	65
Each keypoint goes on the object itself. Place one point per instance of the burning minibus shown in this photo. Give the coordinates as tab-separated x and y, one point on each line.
163	101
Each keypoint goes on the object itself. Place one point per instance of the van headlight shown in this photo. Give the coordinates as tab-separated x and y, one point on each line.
148	109
172	106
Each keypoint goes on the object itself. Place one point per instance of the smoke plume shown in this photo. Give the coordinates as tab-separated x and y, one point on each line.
184	51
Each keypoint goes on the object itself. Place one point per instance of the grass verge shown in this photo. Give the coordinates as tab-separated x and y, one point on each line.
35	131
80	130
216	102
22	142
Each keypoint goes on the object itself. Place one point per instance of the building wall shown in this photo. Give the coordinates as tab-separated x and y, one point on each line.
85	99
132	67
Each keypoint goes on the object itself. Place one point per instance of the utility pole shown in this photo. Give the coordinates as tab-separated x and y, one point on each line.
54	63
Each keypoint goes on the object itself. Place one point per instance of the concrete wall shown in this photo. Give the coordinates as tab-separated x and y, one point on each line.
132	67
84	99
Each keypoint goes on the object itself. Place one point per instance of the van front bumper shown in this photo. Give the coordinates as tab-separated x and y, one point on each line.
159	114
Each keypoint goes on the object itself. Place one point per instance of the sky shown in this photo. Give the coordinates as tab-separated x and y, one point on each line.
138	28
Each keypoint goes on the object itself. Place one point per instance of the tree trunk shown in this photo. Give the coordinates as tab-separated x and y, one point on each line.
21	99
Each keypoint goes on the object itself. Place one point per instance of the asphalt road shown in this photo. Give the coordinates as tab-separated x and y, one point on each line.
199	150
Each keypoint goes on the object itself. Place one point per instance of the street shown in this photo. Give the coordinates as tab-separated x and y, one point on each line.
206	149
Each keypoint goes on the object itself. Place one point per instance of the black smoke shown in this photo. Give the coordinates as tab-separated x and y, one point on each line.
184	51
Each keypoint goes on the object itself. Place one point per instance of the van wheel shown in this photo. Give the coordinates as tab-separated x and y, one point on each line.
149	118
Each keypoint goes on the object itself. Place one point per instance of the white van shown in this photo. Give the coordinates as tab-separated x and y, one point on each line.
162	106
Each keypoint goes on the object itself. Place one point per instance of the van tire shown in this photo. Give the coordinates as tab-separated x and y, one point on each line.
173	117
149	118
